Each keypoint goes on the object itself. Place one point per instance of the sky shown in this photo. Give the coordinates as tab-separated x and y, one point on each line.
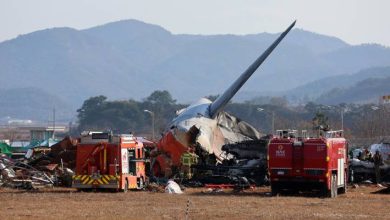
354	21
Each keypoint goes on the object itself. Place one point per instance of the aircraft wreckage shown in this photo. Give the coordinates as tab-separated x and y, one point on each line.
362	166
215	137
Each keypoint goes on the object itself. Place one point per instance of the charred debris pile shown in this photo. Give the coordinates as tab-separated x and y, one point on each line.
245	165
40	167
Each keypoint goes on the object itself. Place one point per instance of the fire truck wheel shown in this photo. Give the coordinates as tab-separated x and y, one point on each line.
141	184
333	187
274	189
126	186
332	192
344	188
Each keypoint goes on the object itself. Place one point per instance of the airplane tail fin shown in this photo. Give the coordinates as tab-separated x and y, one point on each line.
222	100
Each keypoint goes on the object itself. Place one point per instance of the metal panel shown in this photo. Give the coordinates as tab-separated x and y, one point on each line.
125	161
340	172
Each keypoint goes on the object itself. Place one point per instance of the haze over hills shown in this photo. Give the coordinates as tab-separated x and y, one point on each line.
131	59
313	90
365	91
33	103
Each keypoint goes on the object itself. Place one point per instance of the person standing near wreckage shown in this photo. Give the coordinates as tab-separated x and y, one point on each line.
377	163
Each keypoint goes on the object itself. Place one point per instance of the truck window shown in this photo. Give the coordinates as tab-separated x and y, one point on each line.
132	167
131	154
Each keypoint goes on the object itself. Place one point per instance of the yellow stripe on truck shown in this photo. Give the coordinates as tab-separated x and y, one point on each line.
90	182
105	179
76	177
83	178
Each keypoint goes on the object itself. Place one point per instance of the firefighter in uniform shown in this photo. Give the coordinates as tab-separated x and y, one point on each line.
377	162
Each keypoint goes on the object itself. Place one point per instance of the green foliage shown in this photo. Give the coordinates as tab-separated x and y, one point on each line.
119	116
320	122
161	98
98	113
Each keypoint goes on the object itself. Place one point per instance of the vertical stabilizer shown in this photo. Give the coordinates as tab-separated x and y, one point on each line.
222	100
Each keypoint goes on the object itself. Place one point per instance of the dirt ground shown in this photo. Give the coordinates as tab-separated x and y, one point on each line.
364	202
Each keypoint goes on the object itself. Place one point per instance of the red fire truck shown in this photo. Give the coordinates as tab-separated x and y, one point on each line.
303	162
107	161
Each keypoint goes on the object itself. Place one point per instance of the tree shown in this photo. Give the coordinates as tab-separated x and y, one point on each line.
119	116
97	113
163	106
161	97
89	107
320	122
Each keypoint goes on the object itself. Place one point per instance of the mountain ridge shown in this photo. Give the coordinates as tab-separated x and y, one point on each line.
131	59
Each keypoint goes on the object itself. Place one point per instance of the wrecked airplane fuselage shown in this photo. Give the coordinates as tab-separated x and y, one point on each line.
204	127
202	135
208	133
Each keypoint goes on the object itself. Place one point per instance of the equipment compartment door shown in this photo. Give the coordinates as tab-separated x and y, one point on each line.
340	172
125	161
297	159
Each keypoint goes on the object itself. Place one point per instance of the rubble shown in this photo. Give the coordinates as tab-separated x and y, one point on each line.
246	166
63	152
16	174
155	187
53	167
213	191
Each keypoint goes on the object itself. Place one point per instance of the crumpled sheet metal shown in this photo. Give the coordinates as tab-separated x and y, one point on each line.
21	175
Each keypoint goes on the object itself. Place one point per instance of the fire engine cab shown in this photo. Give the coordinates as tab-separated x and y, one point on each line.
303	162
107	161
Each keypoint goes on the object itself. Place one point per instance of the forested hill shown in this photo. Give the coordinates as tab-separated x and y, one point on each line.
131	59
368	80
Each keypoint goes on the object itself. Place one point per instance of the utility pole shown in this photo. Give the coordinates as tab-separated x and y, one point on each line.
342	119
272	113
54	122
273	122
